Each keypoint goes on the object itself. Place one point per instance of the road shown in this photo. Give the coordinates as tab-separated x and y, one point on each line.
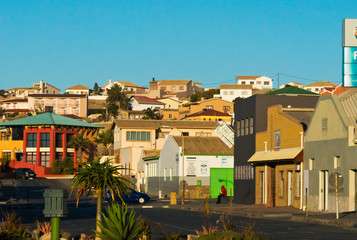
82	219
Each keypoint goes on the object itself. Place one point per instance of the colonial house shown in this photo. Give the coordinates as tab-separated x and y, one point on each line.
278	159
37	88
62	104
317	87
229	92
207	164
41	139
330	153
141	103
127	86
259	82
133	137
78	89
251	115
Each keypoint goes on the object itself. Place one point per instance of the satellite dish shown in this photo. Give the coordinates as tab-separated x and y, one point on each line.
331	180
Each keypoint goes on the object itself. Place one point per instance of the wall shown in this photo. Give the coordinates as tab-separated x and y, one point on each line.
217	104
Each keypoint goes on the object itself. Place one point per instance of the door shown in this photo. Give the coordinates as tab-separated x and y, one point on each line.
290	188
262	189
323	190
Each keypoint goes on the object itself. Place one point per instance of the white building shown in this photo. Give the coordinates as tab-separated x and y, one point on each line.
229	92
127	86
317	87
78	89
259	82
294	84
140	103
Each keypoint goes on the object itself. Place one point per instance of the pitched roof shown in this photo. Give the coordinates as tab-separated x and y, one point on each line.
209	112
155	124
203	146
291	90
78	87
44	95
348	101
174	82
124	83
147	100
303	115
322	84
248	77
235	86
14	100
48	119
282	154
335	91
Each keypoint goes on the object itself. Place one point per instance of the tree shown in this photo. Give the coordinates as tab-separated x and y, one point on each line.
237	99
205	94
99	177
112	110
96	89
2	111
151	113
81	144
3	93
106	138
117	96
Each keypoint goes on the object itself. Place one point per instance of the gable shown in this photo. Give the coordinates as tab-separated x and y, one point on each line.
326	108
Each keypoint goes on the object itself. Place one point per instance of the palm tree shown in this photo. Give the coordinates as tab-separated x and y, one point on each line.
81	144
151	113
117	96
106	138
99	177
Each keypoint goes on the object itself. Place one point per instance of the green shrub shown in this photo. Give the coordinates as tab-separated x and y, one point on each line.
12	228
56	167
65	166
120	224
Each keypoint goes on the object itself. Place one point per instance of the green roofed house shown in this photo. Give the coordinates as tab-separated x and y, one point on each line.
291	90
45	137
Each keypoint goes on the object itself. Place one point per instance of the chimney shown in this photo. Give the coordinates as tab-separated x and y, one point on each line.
153	79
110	81
42	89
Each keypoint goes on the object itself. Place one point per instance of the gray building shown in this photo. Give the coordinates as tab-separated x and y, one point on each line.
330	152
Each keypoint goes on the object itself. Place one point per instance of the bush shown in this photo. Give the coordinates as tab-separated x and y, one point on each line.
12	228
65	166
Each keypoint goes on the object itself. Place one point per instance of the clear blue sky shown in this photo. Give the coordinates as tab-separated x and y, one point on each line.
69	42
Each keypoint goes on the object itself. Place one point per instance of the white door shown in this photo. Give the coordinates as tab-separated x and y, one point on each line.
290	188
326	191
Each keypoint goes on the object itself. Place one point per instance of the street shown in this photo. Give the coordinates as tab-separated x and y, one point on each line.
30	205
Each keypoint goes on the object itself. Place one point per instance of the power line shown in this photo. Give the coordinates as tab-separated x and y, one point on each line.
302	78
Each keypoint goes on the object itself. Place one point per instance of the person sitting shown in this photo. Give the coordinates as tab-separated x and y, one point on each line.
223	194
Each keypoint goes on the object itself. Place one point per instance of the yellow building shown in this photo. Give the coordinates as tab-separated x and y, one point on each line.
209	115
10	147
213	103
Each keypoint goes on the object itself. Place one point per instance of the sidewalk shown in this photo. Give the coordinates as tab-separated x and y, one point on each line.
346	220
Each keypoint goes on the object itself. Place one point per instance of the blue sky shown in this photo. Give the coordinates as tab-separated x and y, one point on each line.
66	43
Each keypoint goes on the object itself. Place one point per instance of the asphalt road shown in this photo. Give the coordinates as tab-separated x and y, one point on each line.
30	205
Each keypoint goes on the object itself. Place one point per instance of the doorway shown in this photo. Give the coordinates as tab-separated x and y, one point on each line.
323	190
290	188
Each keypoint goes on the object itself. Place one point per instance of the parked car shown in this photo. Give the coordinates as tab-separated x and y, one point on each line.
131	196
24	173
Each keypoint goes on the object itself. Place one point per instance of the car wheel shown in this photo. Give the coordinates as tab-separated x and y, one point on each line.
141	200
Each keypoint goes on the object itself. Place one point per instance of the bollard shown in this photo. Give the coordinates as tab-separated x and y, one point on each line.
173	198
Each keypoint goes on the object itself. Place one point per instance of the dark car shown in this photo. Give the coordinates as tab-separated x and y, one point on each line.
24	173
131	196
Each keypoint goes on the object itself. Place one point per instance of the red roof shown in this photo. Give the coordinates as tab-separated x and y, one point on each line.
72	116
335	91
209	112
147	100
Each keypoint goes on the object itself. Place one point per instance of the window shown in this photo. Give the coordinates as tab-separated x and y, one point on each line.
238	128
31	139
281	186
45	159
59	140
242	127
31	157
308	89
324	124
173	88
259	82
181	87
316	89
336	162
163	88
225	92
165	173
137	136
5	136
251	125
6	155
251	82
185	134
209	107
298	184
311	164
171	173
170	116
231	92
243	82
277	139
45	140
244	93
246	127
228	108
69	138
59	156
266	83
70	155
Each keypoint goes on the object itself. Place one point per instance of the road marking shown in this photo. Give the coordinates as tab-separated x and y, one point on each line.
147	207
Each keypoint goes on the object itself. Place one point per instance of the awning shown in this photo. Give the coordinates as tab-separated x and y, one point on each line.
284	154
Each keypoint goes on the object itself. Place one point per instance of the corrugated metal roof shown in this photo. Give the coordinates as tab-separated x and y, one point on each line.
301	114
49	119
203	146
291	90
348	102
155	124
283	154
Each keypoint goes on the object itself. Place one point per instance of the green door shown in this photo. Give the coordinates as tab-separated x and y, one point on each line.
219	177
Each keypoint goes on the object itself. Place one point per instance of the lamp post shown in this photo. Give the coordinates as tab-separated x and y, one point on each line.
183	169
